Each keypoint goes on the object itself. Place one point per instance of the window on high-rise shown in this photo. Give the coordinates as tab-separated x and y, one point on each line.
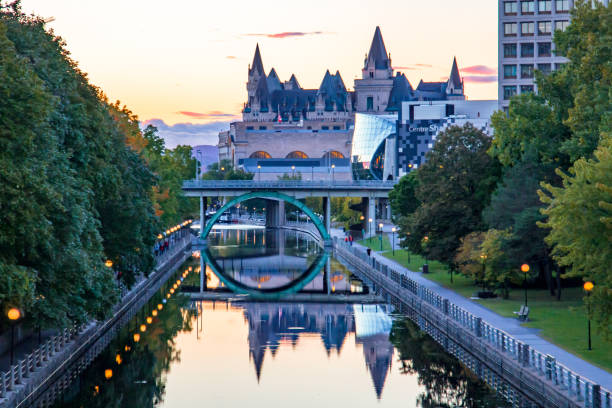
509	91
544	49
544	27
526	89
527	7
526	71
544	6
509	29
527	28
544	68
527	50
509	71
561	25
370	103
509	50
510	7
562	6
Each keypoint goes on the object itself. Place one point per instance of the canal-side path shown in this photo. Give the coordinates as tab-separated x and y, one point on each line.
39	370
509	325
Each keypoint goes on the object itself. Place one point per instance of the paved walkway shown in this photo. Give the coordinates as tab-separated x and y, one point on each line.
510	325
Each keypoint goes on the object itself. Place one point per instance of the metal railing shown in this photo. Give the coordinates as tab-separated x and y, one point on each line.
37	359
288	184
585	391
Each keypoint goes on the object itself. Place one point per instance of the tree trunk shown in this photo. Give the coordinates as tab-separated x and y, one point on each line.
547	276
558	284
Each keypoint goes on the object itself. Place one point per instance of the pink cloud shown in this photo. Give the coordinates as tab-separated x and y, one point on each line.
423	65
480	78
207	115
231	57
479	70
285	34
407	68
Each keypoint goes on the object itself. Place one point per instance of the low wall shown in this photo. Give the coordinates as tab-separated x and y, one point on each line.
539	377
43	374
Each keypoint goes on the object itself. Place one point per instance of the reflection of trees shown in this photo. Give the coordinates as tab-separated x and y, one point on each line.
447	382
138	380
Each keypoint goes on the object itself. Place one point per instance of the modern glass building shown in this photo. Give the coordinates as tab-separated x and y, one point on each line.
369	143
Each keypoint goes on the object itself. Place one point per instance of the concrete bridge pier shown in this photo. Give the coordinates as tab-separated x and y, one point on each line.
327	213
203	206
368	204
275	213
203	280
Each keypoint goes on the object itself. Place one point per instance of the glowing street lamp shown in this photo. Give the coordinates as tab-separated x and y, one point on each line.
393	241
380	226
13	315
108	373
108	263
370	221
136	337
525	269
588	287
333	166
259	172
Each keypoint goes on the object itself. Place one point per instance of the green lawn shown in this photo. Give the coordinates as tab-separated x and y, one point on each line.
563	323
374	243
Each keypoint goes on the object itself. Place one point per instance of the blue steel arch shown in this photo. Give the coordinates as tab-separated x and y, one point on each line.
268	194
271	293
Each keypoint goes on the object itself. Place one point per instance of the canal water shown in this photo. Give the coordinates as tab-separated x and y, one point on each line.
230	329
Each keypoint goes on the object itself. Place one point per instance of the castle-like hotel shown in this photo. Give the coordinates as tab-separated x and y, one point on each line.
282	120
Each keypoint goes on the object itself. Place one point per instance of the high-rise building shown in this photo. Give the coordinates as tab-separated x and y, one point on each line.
525	32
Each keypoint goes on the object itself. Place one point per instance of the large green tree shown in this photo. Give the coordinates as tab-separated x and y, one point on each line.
454	186
580	222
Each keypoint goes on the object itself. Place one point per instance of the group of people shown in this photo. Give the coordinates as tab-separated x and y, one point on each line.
349	239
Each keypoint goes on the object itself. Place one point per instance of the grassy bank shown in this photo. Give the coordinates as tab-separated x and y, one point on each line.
564	322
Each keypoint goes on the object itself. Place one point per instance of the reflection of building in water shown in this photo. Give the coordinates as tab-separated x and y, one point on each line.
373	326
273	324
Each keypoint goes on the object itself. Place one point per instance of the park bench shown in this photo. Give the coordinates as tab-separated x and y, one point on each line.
523	313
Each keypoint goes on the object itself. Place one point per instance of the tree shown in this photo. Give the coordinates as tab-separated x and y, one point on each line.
515	206
580	222
403	198
582	91
531	132
471	259
225	171
454	186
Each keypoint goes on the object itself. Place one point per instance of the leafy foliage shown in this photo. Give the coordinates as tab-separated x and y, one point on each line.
453	188
580	221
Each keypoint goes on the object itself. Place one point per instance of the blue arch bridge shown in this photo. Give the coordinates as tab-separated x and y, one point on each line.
276	193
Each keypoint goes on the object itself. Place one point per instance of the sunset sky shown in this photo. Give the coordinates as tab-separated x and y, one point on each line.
183	64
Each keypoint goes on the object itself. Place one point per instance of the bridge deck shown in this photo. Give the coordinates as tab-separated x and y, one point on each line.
293	188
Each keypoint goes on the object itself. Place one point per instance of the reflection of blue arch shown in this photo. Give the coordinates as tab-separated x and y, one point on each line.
273	195
268	294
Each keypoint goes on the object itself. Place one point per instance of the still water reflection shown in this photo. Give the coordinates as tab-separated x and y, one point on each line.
237	352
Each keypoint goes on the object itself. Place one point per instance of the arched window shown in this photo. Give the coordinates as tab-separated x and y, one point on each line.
334	155
260	154
296	155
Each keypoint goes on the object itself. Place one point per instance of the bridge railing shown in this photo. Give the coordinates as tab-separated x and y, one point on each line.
590	394
286	184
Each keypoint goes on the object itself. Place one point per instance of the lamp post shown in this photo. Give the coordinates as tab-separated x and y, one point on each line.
333	166
393	241
292	171
588	287
370	229
525	269
381	235
425	240
484	259
13	315
258	172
